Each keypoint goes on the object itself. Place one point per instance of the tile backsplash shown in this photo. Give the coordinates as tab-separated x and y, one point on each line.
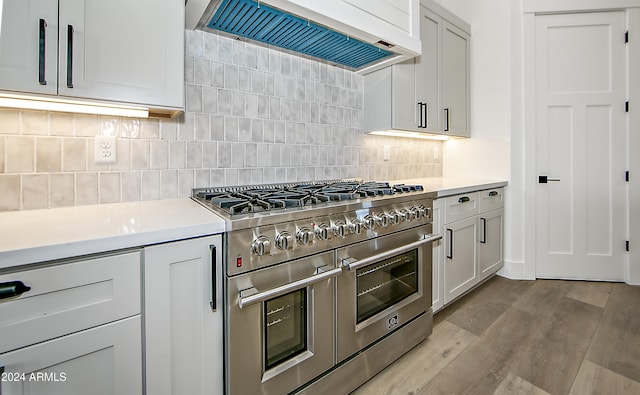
253	115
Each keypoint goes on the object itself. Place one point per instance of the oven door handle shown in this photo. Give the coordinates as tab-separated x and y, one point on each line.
283	289
353	264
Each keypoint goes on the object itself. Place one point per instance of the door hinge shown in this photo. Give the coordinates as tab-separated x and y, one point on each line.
627	245
626	36
626	106
626	176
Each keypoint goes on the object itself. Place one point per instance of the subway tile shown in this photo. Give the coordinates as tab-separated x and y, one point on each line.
9	121
269	131
131	186
262	155
274	155
244	176
290	133
225	51
251	155
262	61
237	155
225	98
210	49
109	187
231	177
35	123
296	70
209	155
231	77
281	174
279	85
140	154
244	79
285	64
159	158
274	107
251	56
257	176
217	74
202	72
274	61
239	53
257	81
239	103
269	175
168	184
194	155
123	155
168	129
217	127
202	128
10	198
230	129
224	155
280	131
257	128
150	185
217	178
20	154
251	105
48	154
150	129
210	100
186	126
86	189
202	179
305	72
244	129
269	84
177	155
61	192
61	124
185	182
263	106
194	42
194	98
35	191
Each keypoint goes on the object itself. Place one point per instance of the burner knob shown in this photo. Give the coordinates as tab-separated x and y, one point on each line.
383	219
397	217
418	212
284	240
339	228
322	231
425	211
409	215
355	226
369	222
304	235
261	245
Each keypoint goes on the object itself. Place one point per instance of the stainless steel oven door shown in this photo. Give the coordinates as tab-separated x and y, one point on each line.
279	331
387	283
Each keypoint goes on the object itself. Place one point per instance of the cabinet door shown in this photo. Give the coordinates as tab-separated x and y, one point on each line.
130	51
403	96
428	69
29	45
455	80
183	333
460	268
106	360
490	231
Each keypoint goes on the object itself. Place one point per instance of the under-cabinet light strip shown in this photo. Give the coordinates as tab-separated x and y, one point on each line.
62	105
414	135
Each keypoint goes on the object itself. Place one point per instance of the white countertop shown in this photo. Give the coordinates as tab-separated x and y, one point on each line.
43	235
447	186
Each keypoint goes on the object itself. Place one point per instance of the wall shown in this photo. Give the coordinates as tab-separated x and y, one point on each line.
253	115
495	112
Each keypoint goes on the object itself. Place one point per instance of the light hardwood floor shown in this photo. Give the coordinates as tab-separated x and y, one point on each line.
526	337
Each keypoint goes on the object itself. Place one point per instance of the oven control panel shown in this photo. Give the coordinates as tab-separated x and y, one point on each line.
262	246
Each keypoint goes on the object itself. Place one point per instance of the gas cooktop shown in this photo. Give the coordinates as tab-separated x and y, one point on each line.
271	198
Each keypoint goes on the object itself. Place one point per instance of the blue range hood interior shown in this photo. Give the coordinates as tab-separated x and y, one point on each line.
259	22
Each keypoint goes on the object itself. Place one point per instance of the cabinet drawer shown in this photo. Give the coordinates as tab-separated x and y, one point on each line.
491	199
69	297
460	206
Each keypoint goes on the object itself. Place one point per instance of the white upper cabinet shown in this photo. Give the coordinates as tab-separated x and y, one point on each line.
429	93
117	50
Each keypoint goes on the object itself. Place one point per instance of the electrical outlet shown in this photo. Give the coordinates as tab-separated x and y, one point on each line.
386	153
105	149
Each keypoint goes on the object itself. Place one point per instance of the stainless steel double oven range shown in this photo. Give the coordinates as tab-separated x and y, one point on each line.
326	283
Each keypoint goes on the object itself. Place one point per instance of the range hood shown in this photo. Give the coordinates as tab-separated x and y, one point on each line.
268	24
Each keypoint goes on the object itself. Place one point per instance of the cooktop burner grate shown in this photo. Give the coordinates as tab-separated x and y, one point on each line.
252	199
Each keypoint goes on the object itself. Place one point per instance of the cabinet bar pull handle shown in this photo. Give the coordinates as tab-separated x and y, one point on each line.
420	115
493	193
463	199
69	56
12	289
483	239
214	302
446	119
42	38
450	253
426	115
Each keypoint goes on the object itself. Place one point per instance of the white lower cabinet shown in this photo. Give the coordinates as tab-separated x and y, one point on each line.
183	317
72	327
105	360
471	248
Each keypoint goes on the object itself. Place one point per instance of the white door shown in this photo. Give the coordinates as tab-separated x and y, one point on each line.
580	141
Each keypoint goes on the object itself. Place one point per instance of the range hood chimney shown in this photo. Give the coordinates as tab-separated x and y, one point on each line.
260	22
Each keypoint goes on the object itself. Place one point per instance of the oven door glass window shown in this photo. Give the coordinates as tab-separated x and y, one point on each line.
385	283
285	327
